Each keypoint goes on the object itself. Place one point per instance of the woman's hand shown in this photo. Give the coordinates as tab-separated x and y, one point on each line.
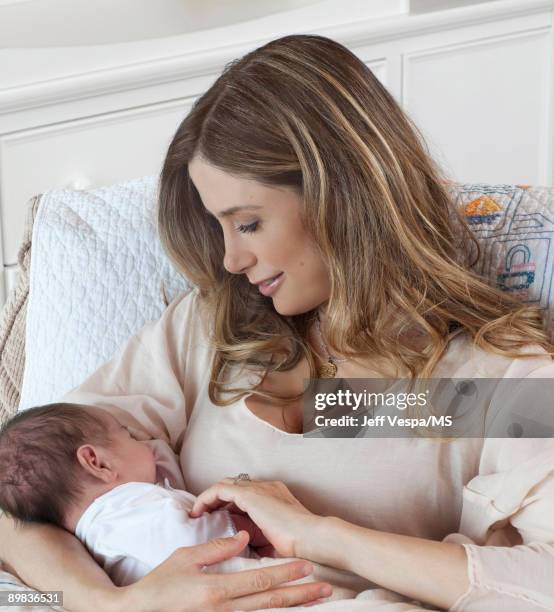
257	539
180	585
281	517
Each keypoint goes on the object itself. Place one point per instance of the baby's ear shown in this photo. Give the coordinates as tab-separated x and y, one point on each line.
95	461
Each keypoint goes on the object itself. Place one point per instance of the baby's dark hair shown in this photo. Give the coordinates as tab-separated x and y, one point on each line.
40	476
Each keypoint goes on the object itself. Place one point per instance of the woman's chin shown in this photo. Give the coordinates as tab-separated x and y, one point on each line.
281	305
288	309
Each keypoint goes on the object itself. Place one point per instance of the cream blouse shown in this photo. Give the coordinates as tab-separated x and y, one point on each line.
495	496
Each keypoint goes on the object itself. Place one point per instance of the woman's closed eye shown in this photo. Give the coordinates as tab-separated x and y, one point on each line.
248	228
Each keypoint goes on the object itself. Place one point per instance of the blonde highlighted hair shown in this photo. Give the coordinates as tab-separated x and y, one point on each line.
303	111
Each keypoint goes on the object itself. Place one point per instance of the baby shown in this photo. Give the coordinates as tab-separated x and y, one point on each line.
77	467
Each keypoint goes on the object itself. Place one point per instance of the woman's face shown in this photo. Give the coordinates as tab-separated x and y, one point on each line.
264	238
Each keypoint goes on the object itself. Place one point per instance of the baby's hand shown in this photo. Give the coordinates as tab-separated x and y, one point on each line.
257	538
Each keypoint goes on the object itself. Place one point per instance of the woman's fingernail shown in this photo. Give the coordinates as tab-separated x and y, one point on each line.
307	568
325	591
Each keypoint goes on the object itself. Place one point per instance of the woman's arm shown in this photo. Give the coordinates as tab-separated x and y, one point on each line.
486	572
50	558
432	572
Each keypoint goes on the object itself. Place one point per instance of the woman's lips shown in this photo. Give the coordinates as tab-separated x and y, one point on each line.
270	289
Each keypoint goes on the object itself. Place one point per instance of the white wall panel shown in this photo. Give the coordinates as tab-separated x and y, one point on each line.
81	154
484	106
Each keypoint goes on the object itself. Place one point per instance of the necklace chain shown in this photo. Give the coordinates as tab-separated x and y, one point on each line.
329	368
324	346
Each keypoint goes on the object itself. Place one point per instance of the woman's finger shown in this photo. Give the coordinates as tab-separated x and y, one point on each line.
214	551
246	582
215	497
308	593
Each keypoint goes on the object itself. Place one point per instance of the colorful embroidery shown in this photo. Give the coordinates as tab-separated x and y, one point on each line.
482	210
517	278
514	225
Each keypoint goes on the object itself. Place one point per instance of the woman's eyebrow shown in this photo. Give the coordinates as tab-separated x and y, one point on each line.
231	211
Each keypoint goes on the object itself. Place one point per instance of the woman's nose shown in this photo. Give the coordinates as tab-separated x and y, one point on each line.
238	260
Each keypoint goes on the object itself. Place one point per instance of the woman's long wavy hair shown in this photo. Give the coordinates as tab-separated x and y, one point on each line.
303	111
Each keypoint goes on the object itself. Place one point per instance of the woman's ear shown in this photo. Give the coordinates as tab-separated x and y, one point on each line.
96	461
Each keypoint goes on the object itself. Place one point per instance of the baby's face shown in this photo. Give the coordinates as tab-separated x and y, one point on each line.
133	460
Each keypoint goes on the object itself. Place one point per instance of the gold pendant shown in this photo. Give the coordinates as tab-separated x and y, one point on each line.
327	370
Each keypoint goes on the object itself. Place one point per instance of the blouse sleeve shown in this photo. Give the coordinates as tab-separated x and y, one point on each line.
151	384
507	522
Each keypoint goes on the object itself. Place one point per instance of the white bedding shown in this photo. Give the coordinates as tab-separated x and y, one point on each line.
111	234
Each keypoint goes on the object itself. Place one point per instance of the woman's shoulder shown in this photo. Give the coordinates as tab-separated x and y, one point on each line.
187	313
513	392
184	305
187	320
464	359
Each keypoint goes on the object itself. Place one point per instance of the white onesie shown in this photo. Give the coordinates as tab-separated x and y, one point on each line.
136	526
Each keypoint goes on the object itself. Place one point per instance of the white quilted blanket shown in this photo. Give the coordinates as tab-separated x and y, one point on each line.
97	268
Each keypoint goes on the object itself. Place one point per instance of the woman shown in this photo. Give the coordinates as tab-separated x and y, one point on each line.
299	200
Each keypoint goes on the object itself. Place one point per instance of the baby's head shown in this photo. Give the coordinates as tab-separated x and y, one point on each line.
58	458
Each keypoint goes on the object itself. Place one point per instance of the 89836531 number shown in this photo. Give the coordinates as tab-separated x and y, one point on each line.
31	598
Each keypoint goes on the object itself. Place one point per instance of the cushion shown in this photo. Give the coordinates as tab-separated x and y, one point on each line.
98	274
514	225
